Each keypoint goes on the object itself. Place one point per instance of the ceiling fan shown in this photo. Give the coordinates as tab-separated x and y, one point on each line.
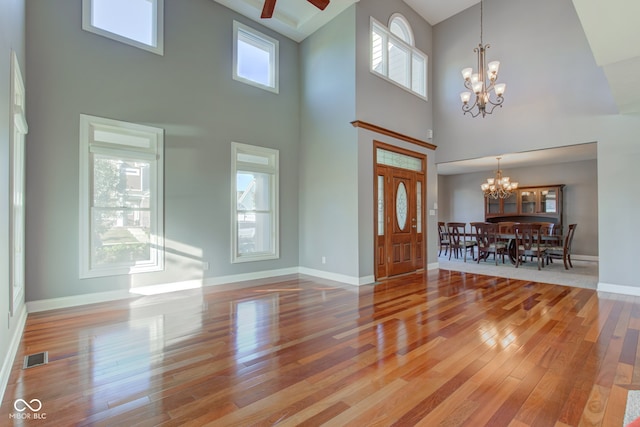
269	5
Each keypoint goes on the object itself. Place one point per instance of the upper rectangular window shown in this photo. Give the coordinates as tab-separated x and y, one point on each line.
394	58
138	23
255	58
121	193
255	202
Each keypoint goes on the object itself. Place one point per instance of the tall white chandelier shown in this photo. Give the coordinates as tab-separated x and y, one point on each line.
499	187
482	84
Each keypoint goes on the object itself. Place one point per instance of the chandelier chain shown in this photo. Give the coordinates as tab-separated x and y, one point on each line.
481	42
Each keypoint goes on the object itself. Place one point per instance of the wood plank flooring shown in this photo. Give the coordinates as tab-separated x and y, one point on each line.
440	348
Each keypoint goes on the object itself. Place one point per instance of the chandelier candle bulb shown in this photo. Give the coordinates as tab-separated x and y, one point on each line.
493	69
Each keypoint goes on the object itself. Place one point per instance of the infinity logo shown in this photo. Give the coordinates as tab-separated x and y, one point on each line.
24	405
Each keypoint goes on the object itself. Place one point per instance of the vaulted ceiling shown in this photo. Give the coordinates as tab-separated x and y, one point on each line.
610	27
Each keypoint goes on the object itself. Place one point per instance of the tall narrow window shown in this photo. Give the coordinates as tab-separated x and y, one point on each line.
395	58
121	182
255	58
19	129
137	23
255	203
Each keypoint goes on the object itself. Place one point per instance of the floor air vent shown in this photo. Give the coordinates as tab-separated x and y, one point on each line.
36	359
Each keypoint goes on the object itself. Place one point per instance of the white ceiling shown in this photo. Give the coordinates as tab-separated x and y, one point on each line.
612	30
295	19
434	11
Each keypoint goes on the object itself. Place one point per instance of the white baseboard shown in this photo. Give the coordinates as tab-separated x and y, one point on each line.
349	280
11	352
76	300
234	278
433	266
618	289
590	258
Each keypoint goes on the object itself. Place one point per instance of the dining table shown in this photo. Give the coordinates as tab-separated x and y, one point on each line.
511	242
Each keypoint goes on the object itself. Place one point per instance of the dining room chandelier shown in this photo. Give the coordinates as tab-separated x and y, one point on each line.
499	187
488	94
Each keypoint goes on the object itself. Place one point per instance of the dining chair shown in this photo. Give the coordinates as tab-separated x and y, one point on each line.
547	231
488	241
529	243
546	228
458	240
563	252
443	237
506	227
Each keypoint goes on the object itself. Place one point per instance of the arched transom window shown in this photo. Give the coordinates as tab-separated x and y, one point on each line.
394	56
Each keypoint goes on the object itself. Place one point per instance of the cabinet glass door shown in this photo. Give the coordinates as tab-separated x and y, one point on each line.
493	205
511	204
528	202
548	201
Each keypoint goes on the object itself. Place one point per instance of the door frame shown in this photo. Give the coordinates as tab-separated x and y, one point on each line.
382	243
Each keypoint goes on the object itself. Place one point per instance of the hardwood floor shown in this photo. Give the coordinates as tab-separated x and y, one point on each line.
439	348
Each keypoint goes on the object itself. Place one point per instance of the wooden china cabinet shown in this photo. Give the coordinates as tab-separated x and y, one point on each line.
527	204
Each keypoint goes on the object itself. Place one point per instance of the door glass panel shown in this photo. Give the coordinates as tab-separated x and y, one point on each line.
380	205
548	201
419	206
398	160
401	206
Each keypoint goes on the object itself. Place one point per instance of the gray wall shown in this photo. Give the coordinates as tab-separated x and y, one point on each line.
12	37
328	178
190	93
379	101
554	87
556	95
460	198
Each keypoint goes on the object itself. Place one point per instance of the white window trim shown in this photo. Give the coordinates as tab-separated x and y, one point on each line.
158	45
274	170
18	130
274	58
385	61
153	151
401	18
